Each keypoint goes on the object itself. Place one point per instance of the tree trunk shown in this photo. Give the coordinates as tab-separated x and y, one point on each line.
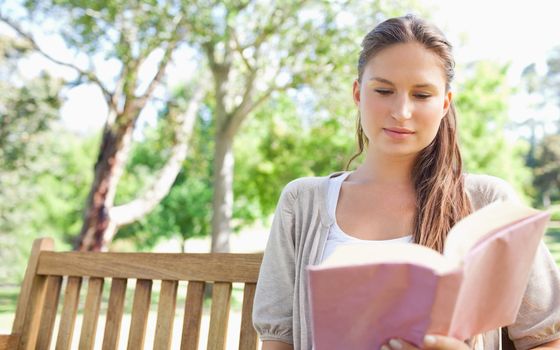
113	153
222	202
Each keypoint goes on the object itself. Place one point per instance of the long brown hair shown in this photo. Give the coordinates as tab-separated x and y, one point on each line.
437	176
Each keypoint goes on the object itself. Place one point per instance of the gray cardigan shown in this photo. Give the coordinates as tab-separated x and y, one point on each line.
298	236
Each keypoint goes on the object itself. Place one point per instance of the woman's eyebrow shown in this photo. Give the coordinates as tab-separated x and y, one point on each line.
385	81
381	80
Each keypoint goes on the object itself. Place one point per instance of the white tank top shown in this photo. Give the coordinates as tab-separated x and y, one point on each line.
338	237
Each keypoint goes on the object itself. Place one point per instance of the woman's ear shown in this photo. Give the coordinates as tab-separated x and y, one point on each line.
356	92
447	102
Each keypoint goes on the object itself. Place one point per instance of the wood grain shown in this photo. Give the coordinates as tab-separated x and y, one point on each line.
50	306
139	317
192	315
91	313
69	311
114	314
223	267
41	289
248	336
9	341
39	245
219	316
165	315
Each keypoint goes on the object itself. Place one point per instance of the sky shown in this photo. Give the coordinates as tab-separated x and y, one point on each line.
515	32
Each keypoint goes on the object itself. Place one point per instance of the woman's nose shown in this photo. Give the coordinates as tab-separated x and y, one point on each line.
402	109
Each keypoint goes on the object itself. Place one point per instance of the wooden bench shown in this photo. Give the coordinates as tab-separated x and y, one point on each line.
36	311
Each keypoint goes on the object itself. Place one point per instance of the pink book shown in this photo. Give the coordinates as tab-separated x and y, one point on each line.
363	295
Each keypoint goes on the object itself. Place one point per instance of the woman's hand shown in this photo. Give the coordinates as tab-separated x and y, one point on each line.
431	342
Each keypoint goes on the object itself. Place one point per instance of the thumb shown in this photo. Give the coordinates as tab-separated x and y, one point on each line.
438	342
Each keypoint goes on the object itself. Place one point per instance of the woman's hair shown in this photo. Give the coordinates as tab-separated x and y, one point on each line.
441	199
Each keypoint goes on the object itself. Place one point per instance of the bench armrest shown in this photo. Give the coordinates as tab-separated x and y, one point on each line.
8	341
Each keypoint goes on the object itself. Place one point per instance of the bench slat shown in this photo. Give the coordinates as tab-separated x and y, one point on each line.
248	336
8	341
193	315
91	313
48	317
219	316
165	315
223	267
69	311
139	317
114	315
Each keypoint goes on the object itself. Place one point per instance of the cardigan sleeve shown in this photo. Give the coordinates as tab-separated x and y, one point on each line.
538	319
273	303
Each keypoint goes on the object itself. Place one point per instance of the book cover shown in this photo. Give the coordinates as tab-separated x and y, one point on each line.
363	295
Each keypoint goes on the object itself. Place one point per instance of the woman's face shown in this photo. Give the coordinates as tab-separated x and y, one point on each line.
402	99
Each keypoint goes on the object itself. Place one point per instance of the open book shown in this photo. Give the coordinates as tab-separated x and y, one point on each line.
363	295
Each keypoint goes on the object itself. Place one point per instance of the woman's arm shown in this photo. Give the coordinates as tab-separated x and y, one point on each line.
276	345
555	344
274	296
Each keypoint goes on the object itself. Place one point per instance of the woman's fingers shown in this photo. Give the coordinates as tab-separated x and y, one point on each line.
440	342
398	344
431	342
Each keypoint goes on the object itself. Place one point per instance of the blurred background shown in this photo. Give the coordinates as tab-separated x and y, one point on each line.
174	125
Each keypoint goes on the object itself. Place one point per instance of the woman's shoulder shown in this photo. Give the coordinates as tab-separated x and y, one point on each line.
308	184
485	189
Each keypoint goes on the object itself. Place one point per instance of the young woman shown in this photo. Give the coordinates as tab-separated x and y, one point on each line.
410	187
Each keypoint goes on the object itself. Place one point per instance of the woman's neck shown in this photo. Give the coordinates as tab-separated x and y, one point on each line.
384	170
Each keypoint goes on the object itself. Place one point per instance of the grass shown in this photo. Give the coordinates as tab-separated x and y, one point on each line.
8	299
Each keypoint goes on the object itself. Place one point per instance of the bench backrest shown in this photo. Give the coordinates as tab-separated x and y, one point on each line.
39	298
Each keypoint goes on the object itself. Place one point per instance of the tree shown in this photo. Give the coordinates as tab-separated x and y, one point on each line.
552	79
544	151
128	33
28	110
547	169
186	211
254	49
482	105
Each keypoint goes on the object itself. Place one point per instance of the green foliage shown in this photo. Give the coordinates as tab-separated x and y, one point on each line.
43	198
276	147
547	169
552	78
186	211
482	107
117	28
27	108
41	171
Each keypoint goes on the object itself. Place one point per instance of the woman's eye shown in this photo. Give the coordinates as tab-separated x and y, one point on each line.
383	92
422	96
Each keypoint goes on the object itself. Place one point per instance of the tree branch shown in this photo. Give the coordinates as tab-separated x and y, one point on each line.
136	209
276	18
240	110
88	74
240	50
171	45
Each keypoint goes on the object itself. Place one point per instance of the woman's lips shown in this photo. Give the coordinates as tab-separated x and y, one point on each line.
398	133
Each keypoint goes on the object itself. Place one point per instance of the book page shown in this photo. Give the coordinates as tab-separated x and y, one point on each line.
480	224
360	254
